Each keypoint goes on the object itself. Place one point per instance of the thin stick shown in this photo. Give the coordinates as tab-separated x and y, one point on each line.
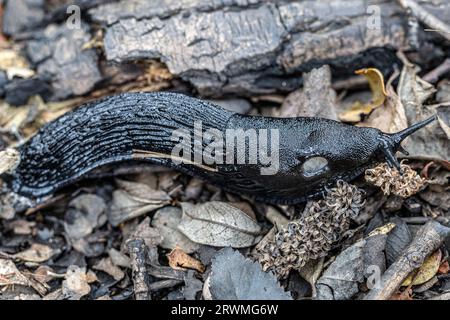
138	256
434	75
427	18
429	238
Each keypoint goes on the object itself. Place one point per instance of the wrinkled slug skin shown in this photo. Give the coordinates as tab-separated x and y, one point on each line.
107	131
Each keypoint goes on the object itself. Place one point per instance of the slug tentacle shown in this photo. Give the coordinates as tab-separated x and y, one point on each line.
391	143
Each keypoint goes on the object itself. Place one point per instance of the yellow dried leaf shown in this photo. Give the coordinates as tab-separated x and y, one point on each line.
376	84
427	271
180	260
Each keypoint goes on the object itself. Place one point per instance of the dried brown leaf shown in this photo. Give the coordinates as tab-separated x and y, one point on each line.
180	260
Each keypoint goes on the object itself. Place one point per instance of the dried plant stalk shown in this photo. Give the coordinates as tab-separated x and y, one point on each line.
392	182
312	236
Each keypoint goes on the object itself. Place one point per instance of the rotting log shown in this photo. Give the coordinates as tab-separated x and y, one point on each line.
233	47
255	46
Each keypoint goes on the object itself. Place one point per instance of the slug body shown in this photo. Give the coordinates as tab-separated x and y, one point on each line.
313	153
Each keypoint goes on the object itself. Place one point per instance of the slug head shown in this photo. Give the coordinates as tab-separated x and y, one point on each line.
390	143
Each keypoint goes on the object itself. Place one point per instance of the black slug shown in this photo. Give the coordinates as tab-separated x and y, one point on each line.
306	154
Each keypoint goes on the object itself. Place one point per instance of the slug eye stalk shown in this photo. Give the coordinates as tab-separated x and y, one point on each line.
391	143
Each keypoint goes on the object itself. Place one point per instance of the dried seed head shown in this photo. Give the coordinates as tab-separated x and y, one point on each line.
391	181
312	236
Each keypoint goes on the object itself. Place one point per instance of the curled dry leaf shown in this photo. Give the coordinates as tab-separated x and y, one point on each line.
10	275
389	117
431	142
218	224
180	260
134	199
427	271
36	253
358	109
9	159
392	182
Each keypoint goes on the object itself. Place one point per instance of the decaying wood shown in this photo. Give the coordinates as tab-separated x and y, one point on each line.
138	255
427	18
234	47
429	238
259	46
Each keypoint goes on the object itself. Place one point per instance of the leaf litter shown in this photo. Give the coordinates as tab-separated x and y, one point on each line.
77	247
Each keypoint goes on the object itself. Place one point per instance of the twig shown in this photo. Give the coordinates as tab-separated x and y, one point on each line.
164	284
444	296
427	18
434	75
138	255
428	239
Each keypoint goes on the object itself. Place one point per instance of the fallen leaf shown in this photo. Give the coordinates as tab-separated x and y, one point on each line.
118	258
180	260
234	277
36	253
218	224
76	285
192	286
341	279
443	114
430	142
85	213
311	272
358	109
166	220
106	265
151	236
444	268
133	200
398	239
427	271
389	117
22	227
10	275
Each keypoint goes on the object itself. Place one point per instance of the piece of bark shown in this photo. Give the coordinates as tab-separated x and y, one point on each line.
315	99
19	15
427	240
59	54
138	255
257	47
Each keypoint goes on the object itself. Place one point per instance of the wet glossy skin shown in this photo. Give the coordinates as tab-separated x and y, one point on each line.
314	153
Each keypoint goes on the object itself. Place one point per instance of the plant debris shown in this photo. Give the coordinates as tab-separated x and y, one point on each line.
392	182
141	231
234	277
311	237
